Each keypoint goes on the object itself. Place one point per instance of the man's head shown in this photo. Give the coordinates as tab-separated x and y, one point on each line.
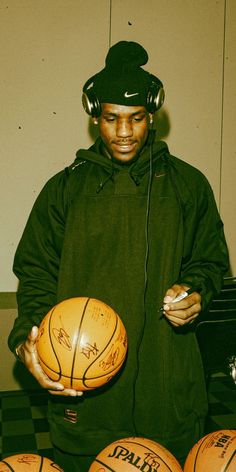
123	81
122	97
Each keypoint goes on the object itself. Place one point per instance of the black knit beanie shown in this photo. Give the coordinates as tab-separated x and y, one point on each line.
122	81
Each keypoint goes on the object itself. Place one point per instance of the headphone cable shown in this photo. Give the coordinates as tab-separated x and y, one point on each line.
145	275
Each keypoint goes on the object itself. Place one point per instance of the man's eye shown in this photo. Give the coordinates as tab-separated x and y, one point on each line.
138	118
110	119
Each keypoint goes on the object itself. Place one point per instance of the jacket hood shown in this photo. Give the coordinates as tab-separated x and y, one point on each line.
136	169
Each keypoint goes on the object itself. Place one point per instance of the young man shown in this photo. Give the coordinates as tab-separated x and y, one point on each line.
131	225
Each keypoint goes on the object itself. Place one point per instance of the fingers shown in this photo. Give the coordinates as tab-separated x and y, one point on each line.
45	382
67	392
32	336
183	311
29	355
180	319
191	304
29	346
55	388
175	292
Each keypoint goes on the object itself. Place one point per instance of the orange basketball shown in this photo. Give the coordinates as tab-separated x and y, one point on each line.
130	454
82	343
31	462
214	452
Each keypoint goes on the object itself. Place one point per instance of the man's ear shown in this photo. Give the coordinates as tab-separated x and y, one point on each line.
95	120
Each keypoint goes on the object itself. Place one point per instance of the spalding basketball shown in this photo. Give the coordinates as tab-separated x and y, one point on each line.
82	343
214	452
31	462
130	454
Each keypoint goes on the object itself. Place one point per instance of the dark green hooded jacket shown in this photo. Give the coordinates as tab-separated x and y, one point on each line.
125	234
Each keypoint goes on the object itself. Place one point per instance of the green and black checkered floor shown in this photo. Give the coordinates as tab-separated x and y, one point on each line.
24	427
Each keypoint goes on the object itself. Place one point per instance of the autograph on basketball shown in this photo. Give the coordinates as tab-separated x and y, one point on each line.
62	337
27	459
152	459
90	349
148	463
110	360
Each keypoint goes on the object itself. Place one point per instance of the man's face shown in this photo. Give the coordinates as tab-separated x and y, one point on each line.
123	130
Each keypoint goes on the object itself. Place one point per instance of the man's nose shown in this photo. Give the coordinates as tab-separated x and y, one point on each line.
124	129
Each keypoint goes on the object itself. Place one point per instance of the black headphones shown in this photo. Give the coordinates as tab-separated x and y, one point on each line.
155	97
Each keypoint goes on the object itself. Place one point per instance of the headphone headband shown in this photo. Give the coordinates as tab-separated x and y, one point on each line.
154	99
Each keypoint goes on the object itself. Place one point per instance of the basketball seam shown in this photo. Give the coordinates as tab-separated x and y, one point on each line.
112	353
200	449
103	463
8	465
52	345
148	448
95	360
76	344
81	378
229	461
41	465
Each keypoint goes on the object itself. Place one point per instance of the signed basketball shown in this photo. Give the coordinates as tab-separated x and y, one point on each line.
81	343
135	453
216	451
31	462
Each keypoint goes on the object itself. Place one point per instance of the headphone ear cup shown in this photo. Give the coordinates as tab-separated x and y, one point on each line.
91	104
155	96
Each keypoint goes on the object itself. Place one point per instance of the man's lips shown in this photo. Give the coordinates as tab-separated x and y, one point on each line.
124	146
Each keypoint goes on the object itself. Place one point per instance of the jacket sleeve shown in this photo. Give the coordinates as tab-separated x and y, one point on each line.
205	256
36	262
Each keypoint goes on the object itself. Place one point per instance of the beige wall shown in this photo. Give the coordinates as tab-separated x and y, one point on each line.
47	51
13	374
228	123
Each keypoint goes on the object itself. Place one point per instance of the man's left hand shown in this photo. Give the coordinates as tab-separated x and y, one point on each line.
182	312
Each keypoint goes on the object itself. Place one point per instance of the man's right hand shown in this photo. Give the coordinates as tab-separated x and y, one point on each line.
27	353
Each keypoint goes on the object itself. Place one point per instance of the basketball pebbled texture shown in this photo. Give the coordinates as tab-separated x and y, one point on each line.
135	453
215	452
82	343
28	462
